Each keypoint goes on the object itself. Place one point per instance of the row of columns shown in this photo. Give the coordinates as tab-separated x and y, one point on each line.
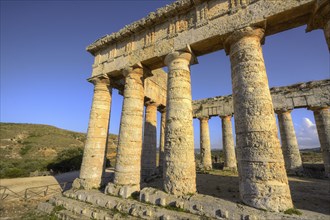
227	143
289	144
263	181
292	158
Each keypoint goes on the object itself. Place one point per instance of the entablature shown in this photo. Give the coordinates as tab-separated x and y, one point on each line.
201	25
301	95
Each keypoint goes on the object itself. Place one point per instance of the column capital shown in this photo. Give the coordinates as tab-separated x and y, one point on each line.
130	69
235	36
225	116
99	79
317	108
320	15
282	111
150	103
204	118
182	60
162	109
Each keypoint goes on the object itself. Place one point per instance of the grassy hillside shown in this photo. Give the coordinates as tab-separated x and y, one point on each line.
26	148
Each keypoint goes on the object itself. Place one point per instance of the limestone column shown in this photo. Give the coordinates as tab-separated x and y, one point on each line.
128	159
162	141
179	166
263	181
290	148
205	145
149	150
322	120
320	19
93	162
228	143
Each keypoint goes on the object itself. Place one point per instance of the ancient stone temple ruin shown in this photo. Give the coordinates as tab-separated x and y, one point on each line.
131	61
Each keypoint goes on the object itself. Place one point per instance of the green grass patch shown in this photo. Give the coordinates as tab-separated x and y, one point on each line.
58	208
33	215
174	208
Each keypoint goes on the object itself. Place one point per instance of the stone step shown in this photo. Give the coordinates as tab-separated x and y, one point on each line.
84	210
59	212
68	215
128	206
153	204
210	207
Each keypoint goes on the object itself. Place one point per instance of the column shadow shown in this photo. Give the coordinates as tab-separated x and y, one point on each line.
310	194
149	136
217	185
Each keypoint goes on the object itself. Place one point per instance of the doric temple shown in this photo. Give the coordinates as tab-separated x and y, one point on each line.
131	61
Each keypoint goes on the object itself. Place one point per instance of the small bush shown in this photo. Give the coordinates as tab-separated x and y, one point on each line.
24	150
13	172
293	211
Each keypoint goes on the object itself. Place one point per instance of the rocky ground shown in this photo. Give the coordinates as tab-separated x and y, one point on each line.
310	196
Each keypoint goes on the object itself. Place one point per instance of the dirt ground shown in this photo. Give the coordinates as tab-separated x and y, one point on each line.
20	196
311	196
307	193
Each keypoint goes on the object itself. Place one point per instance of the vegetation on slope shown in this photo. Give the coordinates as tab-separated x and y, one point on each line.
27	148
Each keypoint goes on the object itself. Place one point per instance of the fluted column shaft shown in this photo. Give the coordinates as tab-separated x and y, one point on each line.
149	150
179	170
205	145
93	162
128	159
322	120
263	181
162	141
290	148
228	143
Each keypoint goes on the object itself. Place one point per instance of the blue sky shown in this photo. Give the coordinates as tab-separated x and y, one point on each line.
44	64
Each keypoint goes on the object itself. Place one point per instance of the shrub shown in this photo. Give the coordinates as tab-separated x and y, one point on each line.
24	150
13	172
67	160
293	211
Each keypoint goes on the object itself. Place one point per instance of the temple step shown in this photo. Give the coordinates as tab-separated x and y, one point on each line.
93	204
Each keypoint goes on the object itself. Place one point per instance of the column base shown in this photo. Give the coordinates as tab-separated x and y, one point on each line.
123	191
79	183
233	169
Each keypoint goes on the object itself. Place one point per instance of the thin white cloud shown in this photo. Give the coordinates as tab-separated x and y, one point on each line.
307	134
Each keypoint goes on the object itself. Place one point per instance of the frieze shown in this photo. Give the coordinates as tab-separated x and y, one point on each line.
201	14
112	54
149	38
129	47
192	23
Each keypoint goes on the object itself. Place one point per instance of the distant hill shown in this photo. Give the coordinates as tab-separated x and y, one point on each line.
26	148
316	149
310	155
